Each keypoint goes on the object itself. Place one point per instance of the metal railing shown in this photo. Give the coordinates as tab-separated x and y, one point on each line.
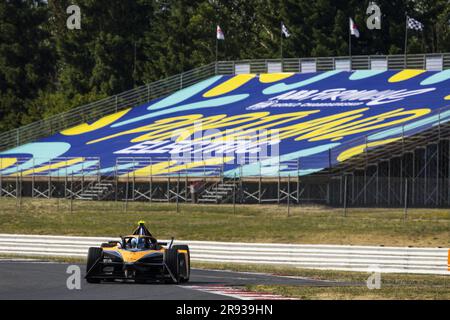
393	62
140	95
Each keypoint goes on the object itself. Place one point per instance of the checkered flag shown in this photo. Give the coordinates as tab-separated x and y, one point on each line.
414	24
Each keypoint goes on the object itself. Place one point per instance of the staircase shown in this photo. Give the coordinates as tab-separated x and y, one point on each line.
218	193
97	191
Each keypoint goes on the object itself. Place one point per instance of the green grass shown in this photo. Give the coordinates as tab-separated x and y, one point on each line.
393	286
255	223
387	292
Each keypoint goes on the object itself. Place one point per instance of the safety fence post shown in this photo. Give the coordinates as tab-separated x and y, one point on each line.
20	191
289	196
72	194
178	191
405	215
151	180
116	180
234	194
17	186
259	183
345	196
50	181
127	188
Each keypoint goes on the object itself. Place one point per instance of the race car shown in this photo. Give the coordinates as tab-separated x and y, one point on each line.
139	257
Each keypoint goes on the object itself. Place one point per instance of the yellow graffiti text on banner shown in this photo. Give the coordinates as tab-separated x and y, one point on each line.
230	85
103	122
337	126
7	162
337	132
53	166
274	77
361	148
167	125
263	126
334	127
168	167
447	97
405	75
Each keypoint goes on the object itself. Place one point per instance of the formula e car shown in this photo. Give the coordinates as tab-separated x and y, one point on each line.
140	258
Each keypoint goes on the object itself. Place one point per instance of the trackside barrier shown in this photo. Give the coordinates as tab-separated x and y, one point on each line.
327	257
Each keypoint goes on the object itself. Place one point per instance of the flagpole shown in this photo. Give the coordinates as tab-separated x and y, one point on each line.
281	42
350	44
217	49
406	41
350	41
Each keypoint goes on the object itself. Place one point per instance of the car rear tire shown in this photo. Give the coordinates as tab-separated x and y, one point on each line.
184	265
94	255
172	263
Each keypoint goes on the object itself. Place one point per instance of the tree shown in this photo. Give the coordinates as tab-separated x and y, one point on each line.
26	59
46	69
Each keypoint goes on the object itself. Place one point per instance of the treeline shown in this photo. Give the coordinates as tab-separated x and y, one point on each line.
45	68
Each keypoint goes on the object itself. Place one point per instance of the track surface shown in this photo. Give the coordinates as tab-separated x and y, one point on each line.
42	280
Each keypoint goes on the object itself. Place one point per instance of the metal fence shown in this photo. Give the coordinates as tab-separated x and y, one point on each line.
140	95
387	62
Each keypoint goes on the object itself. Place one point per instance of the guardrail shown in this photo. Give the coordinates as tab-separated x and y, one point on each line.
327	257
137	96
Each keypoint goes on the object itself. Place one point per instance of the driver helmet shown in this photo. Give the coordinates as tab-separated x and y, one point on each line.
133	243
141	243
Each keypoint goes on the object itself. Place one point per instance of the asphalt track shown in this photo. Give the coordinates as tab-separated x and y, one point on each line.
32	280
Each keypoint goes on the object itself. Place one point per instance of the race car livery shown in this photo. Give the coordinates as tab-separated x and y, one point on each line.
138	257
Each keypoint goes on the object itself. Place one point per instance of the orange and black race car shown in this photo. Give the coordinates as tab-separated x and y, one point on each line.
139	257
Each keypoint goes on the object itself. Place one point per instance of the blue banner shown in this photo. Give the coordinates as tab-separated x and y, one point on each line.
248	125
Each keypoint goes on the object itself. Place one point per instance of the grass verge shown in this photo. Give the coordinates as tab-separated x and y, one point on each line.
393	286
420	291
251	223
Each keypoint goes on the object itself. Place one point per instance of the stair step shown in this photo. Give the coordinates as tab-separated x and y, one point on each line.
85	198
209	196
207	200
227	185
216	192
91	191
89	195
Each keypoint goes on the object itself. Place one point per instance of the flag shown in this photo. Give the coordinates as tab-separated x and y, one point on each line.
353	28
285	31
220	35
414	24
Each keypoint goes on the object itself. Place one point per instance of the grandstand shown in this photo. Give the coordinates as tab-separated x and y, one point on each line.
359	131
